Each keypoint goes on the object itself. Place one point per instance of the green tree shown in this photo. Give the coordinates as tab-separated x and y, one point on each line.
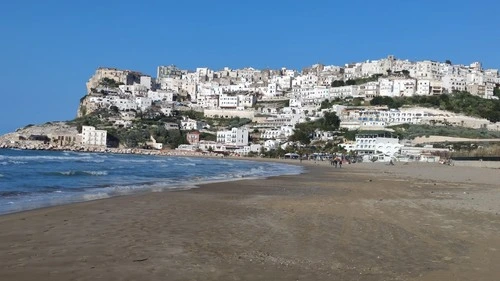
325	104
350	82
496	91
329	122
338	83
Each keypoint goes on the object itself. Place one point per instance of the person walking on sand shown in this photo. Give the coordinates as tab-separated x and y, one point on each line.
340	163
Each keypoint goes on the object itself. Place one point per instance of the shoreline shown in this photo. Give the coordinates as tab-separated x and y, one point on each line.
91	194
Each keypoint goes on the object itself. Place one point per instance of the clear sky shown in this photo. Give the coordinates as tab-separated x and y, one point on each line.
50	48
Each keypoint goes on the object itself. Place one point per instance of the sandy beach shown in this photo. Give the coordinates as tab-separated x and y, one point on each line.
360	222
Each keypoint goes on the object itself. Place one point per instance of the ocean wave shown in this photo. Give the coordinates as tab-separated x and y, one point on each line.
80	173
17	162
13	193
95	196
143	161
12	162
185	164
89	161
45	158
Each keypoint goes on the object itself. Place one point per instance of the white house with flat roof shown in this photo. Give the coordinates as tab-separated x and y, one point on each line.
93	137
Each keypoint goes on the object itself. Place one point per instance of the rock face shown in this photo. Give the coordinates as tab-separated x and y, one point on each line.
48	135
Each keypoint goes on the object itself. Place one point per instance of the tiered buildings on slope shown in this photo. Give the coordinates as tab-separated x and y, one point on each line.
235	92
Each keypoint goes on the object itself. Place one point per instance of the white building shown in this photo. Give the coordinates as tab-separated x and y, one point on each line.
404	87
235	136
245	101
146	82
405	115
376	142
343	92
370	89
143	103
191	124
124	104
228	101
454	83
385	87
93	137
245	150
428	70
161	95
423	87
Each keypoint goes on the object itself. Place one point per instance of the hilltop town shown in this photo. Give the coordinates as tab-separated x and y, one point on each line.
362	108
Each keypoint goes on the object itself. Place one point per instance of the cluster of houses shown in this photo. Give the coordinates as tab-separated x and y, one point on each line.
287	97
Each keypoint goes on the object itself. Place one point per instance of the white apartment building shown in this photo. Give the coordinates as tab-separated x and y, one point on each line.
284	82
410	116
272	90
436	87
228	101
454	83
370	89
102	101
235	136
93	137
208	101
161	95
428	70
376	142
146	82
343	92
423	87
248	100
282	133
124	104
483	90
143	103
352	71
386	86
404	87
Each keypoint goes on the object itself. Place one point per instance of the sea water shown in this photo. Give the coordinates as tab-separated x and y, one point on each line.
32	179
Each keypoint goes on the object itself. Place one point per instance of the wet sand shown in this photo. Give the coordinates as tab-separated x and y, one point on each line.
361	222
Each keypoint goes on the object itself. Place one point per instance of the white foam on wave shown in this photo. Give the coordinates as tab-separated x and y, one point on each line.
90	173
47	158
142	161
185	164
95	196
96	173
17	162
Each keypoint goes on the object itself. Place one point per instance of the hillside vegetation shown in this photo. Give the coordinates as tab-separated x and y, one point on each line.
458	102
407	131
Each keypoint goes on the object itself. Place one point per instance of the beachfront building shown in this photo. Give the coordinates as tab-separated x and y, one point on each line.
93	137
193	137
377	142
235	136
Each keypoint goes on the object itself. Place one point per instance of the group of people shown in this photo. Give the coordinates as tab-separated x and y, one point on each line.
336	161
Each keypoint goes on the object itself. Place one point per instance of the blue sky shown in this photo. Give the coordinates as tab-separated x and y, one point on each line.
50	48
